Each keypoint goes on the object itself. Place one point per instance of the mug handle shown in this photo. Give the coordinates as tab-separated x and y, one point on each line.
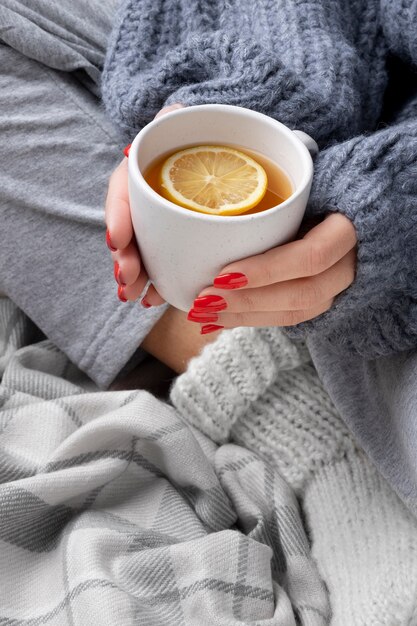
309	143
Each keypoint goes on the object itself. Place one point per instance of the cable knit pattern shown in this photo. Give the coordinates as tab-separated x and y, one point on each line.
310	64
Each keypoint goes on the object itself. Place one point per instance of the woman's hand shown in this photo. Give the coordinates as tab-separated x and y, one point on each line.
284	286
128	270
172	340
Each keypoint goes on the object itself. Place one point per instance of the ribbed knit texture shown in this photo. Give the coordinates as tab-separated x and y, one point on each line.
277	402
245	363
365	543
317	66
363	537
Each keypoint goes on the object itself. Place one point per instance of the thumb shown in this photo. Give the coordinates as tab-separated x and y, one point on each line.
168	109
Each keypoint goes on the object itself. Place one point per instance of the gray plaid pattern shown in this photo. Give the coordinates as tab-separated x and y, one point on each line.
114	511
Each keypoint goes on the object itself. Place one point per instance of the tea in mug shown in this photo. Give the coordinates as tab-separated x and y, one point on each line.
219	180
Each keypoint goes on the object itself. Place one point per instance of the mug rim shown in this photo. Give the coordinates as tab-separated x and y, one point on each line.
136	175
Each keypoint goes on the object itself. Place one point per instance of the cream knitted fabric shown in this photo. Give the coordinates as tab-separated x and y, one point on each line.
224	381
364	541
255	387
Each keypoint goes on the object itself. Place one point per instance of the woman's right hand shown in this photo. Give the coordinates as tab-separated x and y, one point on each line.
129	272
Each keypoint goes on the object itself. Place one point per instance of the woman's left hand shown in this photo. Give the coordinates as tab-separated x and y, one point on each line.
284	286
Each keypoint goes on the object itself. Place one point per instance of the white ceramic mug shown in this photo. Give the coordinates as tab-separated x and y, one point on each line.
183	250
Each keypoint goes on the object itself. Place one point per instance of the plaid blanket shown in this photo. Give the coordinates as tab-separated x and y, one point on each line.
114	511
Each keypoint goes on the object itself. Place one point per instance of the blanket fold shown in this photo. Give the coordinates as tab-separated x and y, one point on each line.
115	510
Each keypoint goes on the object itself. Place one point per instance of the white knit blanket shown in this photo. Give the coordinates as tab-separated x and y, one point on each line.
114	511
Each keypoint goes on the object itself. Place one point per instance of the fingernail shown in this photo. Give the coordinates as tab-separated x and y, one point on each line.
121	293
210	328
145	303
126	150
211	303
117	274
109	243
201	317
230	281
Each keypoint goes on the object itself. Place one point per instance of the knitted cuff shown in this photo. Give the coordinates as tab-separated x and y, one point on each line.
294	426
230	374
371	181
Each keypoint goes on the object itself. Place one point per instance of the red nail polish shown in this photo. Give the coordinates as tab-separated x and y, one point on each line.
121	293
210	328
127	150
109	243
210	303
230	281
145	303
117	276
201	317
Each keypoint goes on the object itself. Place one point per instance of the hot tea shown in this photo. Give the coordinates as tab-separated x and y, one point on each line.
278	184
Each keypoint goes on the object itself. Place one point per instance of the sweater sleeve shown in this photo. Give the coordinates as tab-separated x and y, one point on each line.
231	374
310	65
372	180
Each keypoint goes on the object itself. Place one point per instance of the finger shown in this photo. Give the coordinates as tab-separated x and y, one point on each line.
168	109
152	297
127	264
320	248
291	295
261	319
117	210
133	291
119	223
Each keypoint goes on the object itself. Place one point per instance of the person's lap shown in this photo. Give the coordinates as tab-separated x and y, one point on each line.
70	35
57	152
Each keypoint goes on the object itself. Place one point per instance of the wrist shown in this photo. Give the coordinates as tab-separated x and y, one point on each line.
175	341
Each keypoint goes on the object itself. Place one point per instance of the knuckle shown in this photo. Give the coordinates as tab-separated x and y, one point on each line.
246	301
306	296
317	258
292	318
267	276
297	317
240	319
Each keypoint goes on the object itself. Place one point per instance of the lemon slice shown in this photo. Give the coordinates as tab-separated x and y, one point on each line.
213	179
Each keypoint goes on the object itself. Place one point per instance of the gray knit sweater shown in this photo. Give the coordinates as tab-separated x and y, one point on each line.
318	65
